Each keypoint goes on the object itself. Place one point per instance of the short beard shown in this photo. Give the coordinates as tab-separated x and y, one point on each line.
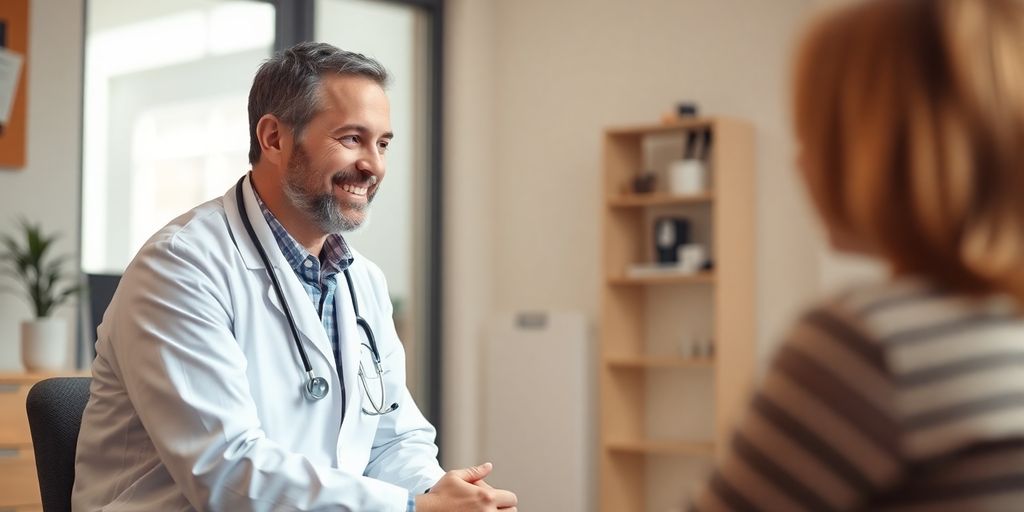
323	208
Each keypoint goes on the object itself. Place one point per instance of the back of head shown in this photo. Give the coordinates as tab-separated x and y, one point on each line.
911	118
288	84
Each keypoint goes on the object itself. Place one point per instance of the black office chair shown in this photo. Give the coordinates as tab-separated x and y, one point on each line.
55	409
101	290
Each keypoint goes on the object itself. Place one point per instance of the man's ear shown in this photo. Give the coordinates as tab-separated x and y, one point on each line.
272	135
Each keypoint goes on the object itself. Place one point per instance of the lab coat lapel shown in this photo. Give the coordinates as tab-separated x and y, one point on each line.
246	248
306	319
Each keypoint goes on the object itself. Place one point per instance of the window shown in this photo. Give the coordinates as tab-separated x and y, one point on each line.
165	125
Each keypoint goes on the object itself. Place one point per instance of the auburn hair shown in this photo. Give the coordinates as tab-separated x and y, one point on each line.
910	114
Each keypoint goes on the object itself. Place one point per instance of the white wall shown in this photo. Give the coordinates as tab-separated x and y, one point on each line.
46	190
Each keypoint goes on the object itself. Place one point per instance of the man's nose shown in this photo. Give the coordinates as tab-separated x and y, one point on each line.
371	162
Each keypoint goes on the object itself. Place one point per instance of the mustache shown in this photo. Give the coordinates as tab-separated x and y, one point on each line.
355	177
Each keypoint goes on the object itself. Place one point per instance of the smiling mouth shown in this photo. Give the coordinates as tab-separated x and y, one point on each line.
357	189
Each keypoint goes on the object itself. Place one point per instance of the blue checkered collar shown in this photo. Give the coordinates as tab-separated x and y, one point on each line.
337	255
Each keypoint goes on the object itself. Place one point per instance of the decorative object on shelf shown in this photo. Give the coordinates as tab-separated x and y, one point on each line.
687	177
45	287
670	233
692	257
695	346
645	183
684	109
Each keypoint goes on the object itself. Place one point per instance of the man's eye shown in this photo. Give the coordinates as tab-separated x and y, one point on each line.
349	139
383	145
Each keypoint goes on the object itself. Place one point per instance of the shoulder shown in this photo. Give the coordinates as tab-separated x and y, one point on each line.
911	311
865	314
196	245
195	228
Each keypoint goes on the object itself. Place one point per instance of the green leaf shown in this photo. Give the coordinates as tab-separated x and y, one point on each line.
29	262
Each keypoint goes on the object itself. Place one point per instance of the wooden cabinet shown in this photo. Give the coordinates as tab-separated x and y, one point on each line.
19	487
667	409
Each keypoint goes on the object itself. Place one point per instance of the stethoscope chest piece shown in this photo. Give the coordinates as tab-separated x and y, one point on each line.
316	388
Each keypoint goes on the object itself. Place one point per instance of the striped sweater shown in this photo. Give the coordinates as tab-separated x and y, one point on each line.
891	397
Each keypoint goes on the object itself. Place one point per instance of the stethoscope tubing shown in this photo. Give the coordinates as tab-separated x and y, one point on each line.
316	388
243	211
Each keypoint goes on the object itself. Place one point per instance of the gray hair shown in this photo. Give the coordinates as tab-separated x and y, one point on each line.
288	85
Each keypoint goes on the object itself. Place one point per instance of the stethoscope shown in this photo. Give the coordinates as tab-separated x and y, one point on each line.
316	388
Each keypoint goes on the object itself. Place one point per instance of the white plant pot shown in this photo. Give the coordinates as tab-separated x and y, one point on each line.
44	344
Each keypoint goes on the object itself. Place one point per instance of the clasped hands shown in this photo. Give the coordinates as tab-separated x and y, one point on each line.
464	490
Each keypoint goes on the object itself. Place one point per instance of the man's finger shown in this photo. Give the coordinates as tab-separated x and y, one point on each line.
475	473
505	499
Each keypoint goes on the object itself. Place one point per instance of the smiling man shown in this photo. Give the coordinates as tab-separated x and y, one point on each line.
248	360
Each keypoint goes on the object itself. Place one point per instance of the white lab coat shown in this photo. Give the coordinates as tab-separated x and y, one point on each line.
196	399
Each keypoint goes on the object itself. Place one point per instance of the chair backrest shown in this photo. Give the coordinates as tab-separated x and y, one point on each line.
101	290
55	409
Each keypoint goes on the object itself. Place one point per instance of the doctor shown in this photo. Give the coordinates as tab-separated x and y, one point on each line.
248	360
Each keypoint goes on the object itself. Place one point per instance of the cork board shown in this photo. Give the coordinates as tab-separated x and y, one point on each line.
14	40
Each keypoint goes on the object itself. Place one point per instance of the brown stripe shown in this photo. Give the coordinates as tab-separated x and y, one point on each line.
778	476
730	496
846	402
813	444
854	340
974	462
956	490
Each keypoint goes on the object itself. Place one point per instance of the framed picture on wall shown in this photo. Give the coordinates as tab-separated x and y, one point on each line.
13	82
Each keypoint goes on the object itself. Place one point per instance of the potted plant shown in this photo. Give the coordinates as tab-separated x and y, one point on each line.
45	286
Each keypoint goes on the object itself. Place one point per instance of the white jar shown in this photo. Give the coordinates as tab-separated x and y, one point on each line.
687	176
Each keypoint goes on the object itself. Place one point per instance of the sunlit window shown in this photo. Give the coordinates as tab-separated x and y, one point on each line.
165	114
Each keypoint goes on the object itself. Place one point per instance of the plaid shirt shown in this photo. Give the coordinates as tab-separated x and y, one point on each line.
319	280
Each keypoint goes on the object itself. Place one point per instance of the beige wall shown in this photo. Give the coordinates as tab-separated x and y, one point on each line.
46	190
469	218
563	70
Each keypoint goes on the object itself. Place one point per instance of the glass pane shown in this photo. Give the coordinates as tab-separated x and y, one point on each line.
395	235
165	124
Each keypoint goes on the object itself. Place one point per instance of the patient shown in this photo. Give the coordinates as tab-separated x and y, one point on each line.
905	394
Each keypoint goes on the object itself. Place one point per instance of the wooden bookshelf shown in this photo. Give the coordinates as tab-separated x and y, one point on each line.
639	321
